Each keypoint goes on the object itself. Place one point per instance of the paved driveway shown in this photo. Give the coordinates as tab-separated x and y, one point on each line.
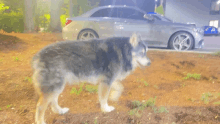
212	44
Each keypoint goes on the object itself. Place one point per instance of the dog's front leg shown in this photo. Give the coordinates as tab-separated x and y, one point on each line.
103	92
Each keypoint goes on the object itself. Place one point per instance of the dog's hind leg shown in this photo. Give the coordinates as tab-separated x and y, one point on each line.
103	92
55	107
116	91
42	104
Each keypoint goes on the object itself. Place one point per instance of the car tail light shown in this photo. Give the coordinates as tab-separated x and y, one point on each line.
68	22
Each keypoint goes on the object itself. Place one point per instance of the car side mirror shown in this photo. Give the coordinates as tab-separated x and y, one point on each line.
149	17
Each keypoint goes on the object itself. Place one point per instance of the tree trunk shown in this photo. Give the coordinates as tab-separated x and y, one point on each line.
71	8
29	16
55	24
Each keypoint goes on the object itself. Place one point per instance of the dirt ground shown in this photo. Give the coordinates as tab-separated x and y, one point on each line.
177	100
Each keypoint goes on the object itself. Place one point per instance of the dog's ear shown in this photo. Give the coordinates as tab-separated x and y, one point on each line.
135	39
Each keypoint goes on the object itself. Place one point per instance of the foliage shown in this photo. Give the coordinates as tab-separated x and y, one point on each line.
63	19
159	10
12	22
29	79
75	91
14	5
12	18
16	58
91	88
3	7
205	97
138	107
195	76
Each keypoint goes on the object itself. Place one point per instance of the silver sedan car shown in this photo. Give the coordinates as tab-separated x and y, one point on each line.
122	21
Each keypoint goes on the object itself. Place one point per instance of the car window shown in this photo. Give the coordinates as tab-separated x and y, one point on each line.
102	13
129	13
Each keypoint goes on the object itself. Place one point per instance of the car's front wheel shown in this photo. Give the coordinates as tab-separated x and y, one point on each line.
181	41
87	35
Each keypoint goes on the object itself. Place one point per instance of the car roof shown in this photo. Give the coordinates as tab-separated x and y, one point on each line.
89	13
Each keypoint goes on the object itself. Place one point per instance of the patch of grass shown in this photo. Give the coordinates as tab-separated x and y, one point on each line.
143	81
146	84
96	121
0	109
1	60
138	107
217	103
8	106
92	88
16	58
191	99
75	91
217	53
162	110
195	76
206	97
184	84
201	56
29	79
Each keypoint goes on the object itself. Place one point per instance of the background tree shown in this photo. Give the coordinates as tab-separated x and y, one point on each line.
29	15
55	12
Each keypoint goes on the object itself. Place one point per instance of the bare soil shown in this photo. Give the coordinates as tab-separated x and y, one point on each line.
188	101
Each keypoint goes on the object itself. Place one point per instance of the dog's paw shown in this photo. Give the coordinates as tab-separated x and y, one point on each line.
108	108
63	111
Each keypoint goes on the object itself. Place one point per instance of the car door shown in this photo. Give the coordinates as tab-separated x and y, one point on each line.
134	21
104	23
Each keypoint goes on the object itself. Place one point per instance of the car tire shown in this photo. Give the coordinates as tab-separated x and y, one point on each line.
87	34
181	39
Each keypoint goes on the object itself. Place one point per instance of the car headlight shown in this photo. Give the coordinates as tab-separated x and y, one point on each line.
199	30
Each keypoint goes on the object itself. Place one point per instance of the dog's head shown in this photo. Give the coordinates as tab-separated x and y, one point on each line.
139	51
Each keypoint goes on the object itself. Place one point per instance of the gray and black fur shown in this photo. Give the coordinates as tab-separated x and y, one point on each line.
99	61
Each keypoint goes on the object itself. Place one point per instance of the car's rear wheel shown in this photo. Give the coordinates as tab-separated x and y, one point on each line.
87	35
181	41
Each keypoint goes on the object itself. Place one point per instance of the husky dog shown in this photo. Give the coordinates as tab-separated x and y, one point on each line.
105	62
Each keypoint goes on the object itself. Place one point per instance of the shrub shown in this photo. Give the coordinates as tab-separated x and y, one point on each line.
12	22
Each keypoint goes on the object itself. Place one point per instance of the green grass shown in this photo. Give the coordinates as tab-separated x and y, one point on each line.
96	121
75	91
29	79
146	84
206	97
16	59
162	110
195	76
143	81
0	109
92	88
217	53
138	107
8	106
201	56
217	103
